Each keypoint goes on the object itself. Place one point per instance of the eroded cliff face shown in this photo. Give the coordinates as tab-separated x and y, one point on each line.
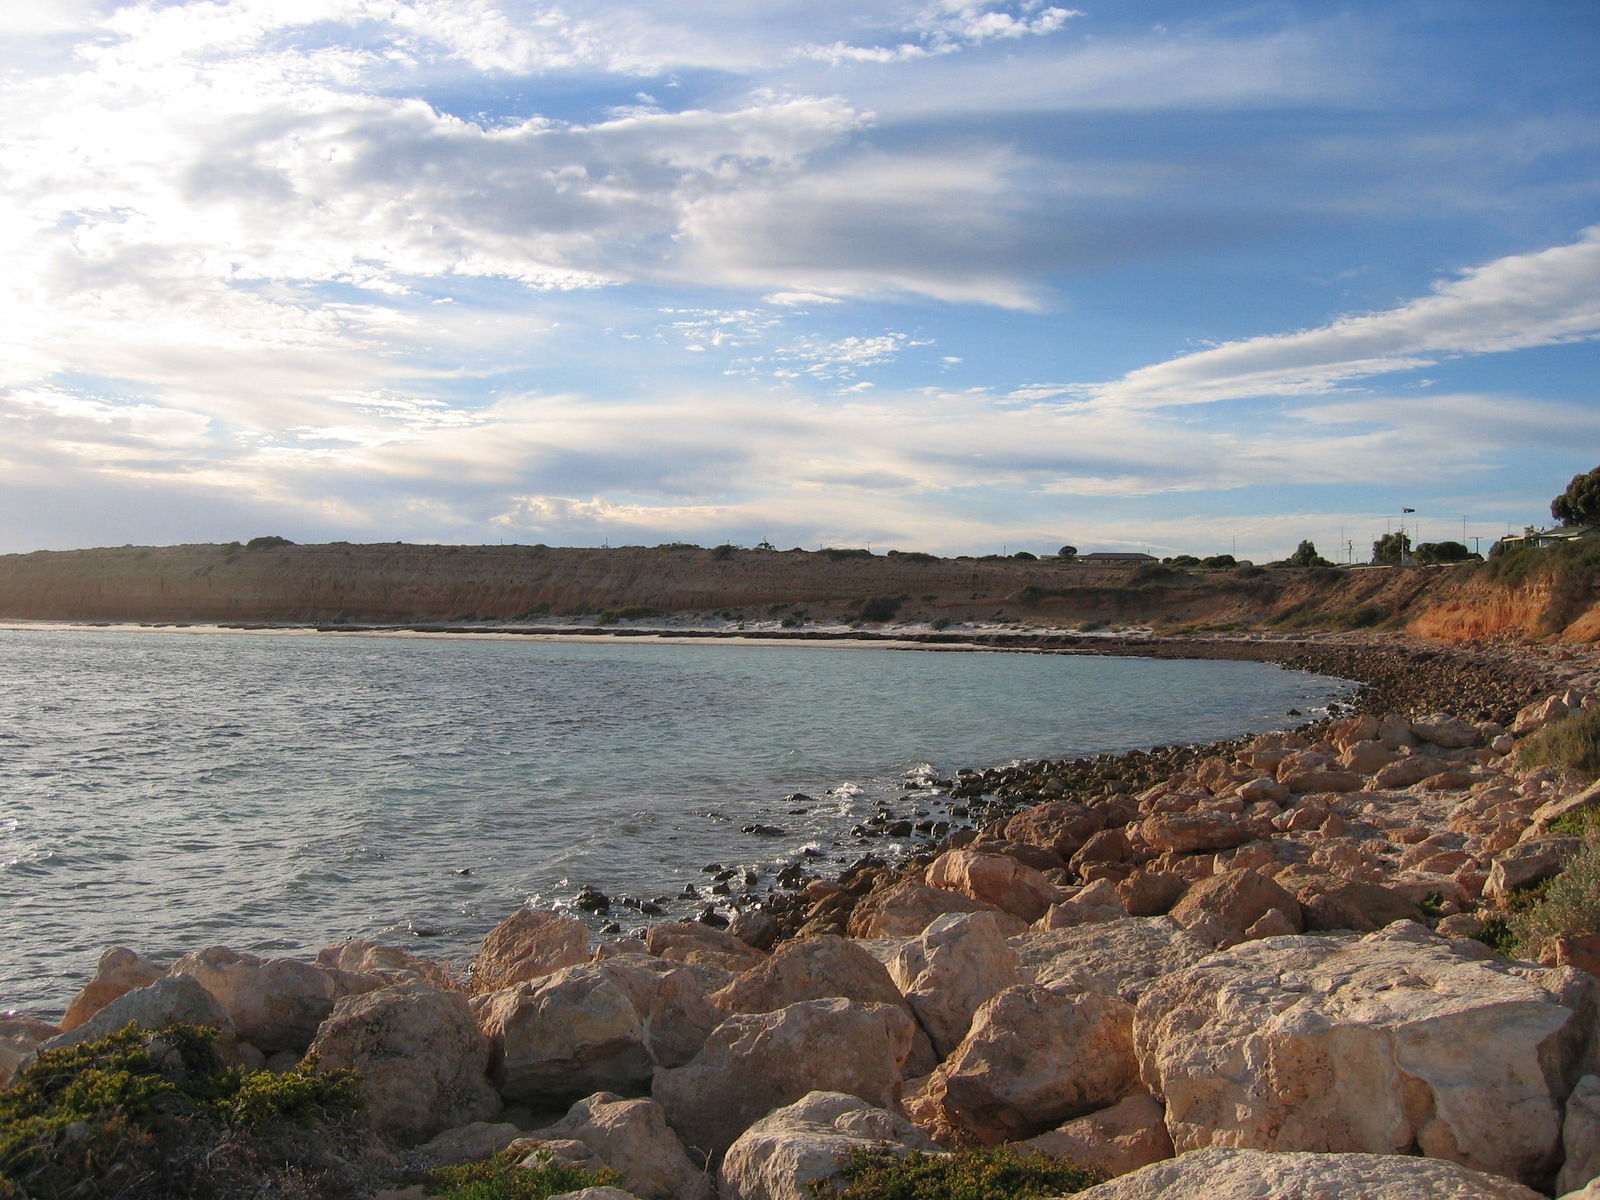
405	583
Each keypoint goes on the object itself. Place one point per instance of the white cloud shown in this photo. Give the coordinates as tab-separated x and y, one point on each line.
1540	299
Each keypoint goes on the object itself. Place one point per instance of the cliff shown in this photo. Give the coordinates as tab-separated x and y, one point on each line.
1551	596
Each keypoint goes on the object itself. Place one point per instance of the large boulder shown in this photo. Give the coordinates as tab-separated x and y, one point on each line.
1130	1134
755	1062
905	908
388	963
1115	958
672	1000
560	1037
693	942
632	1137
421	1058
1036	1056
1226	909
1329	901
1395	1042
1528	863
1234	1174
996	879
167	1001
793	1153
275	1003
19	1040
956	964
811	969
526	945
119	972
1188	832
1580	1136
1060	826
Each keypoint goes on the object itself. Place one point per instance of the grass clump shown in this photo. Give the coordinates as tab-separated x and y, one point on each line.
997	1174
1564	906
154	1113
501	1178
627	612
1570	744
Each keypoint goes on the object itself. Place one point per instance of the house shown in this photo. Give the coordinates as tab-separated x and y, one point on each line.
1108	556
1541	538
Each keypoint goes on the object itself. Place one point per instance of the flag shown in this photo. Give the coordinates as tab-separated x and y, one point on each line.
1406	510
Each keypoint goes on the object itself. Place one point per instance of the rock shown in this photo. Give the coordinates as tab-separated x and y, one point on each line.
526	945
1390	1043
1324	780
1186	832
756	928
995	879
810	970
1264	788
1577	950
956	964
1060	826
1580	1136
1094	902
1329	901
420	1056
1151	893
1554	810
1233	1174
1394	731
602	1192
672	1000
560	1037
1367	758
1527	863
755	1062
1220	910
1116	958
467	1143
389	963
1539	714
119	972
19	1039
1035	1056
793	1153
694	942
179	999
274	1003
1446	731
906	908
1128	1135
1404	772
632	1137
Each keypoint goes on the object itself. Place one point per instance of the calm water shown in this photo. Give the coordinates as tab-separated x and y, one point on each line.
277	793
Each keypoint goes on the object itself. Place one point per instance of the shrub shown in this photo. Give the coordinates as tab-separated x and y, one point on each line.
916	556
939	623
1566	905
997	1174
501	1178
1570	744
724	552
836	553
154	1113
267	543
880	608
628	612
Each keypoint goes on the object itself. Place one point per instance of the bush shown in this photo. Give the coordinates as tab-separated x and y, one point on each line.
939	623
267	543
880	608
628	612
1571	745
997	1174
1566	905
155	1114
501	1178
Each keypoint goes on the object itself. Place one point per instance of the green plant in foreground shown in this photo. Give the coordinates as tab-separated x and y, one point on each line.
1564	906
501	1178
152	1113
1570	744
997	1174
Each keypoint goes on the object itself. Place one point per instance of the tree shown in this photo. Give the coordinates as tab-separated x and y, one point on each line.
1391	548
1443	552
1305	555
1580	503
1067	552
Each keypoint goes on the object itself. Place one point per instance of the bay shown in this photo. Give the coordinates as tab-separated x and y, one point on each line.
276	793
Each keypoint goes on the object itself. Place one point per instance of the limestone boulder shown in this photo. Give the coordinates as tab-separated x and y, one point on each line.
420	1055
1367	758
1188	832
906	908
1329	901
754	1063
472	1142
563	1036
996	879
793	1152
1130	1134
1446	731
672	1001
1580	1136
167	1001
1327	779
119	972
694	942
632	1137
1060	826
812	969
1247	1174
275	1003
1035	1057
1406	771
1527	863
526	945
19	1039
1223	909
389	963
1391	1043
951	968
1114	958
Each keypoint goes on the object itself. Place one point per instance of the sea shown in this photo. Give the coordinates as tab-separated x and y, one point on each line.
276	792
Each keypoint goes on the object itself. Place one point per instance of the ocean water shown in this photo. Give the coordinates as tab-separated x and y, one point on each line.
277	793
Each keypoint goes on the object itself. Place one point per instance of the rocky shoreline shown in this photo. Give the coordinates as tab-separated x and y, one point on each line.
1182	968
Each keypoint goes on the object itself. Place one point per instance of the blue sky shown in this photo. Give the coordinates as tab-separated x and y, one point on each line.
950	275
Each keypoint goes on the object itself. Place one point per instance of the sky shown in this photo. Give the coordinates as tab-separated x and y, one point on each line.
960	276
